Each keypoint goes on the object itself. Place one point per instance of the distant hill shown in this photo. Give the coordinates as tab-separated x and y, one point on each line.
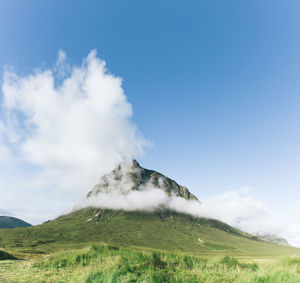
12	222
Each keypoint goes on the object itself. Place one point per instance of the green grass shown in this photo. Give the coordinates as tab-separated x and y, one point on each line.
166	231
106	263
118	246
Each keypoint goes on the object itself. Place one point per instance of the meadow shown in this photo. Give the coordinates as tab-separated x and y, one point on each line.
107	263
118	246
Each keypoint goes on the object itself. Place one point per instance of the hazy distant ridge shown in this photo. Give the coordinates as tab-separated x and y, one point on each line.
12	222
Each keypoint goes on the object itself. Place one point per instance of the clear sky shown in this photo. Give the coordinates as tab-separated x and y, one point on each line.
214	85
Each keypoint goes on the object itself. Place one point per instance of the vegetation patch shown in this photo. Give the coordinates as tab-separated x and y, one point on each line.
232	262
110	263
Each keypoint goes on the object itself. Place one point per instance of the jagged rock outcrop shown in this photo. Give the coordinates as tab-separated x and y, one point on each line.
127	177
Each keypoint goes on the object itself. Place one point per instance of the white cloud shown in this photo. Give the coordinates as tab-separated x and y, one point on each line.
238	208
61	58
4	150
69	130
62	68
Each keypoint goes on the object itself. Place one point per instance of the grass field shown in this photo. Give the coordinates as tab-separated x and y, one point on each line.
106	263
116	246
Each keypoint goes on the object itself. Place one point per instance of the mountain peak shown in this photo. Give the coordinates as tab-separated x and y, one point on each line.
130	176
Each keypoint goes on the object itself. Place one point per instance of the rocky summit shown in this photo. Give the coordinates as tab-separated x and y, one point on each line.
131	176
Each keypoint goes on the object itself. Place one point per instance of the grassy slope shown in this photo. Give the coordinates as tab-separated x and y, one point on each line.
167	231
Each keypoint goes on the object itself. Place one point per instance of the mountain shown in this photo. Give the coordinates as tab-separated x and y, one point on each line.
12	222
274	239
133	177
161	229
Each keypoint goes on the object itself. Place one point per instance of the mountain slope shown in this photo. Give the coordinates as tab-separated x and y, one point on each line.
12	222
158	230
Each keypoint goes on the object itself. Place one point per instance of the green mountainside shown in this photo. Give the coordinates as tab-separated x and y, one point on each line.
165	230
12	222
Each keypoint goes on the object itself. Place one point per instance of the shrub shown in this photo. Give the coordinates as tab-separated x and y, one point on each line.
188	262
113	248
232	262
157	262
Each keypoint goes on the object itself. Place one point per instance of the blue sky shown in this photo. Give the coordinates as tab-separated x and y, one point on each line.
213	84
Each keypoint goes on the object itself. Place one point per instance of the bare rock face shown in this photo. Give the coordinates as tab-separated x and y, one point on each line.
132	177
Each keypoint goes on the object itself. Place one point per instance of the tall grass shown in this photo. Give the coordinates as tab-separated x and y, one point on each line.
100	263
